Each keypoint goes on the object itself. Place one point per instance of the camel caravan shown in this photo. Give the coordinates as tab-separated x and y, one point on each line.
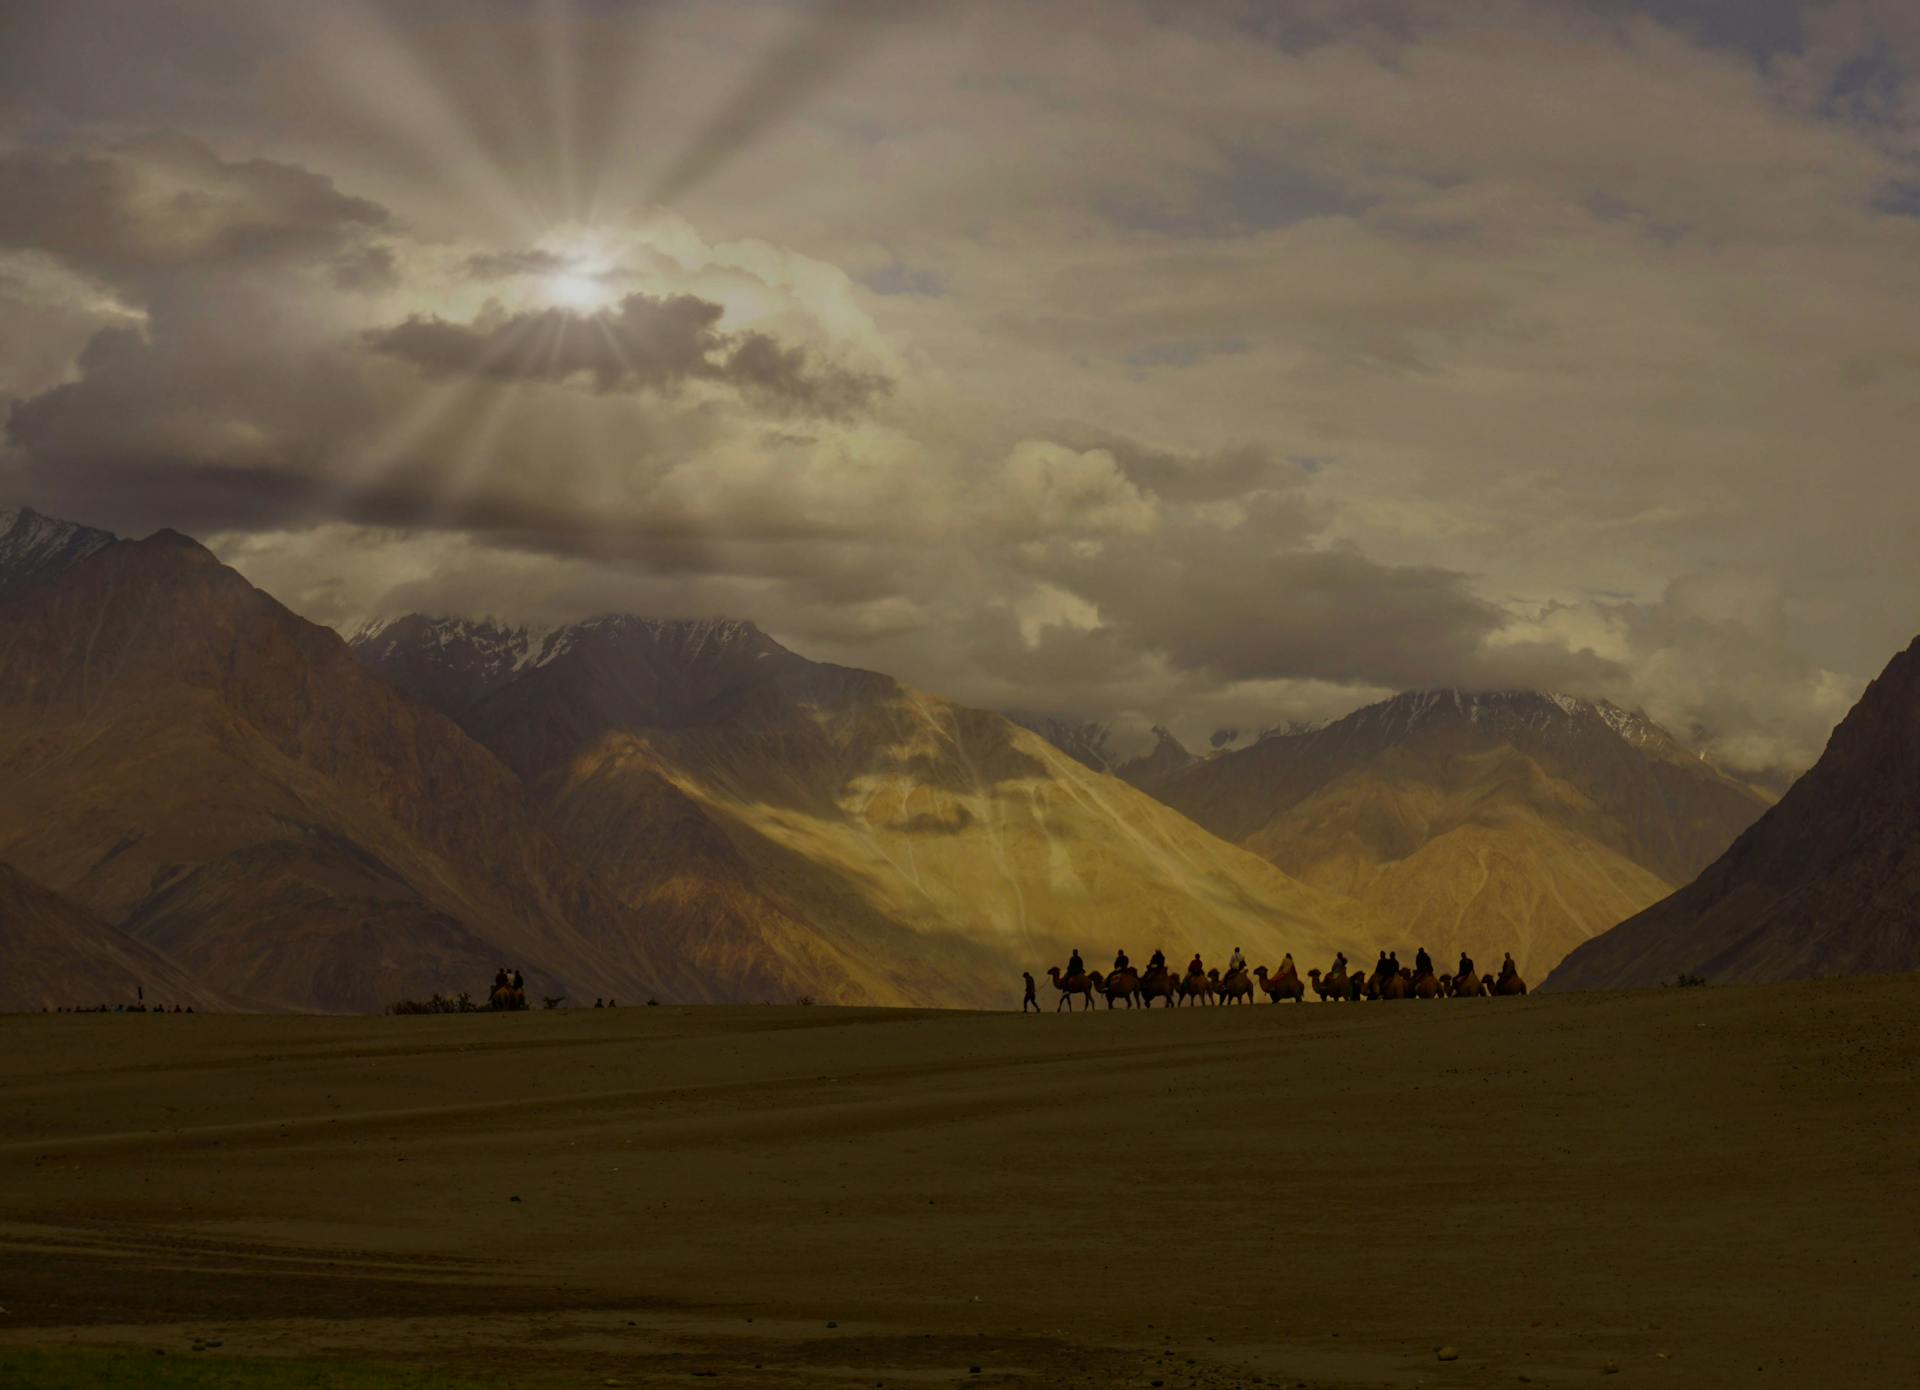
1238	984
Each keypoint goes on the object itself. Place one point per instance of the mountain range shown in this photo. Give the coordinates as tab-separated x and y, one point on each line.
204	792
798	826
621	807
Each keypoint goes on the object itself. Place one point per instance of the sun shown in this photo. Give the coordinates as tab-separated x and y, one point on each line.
578	290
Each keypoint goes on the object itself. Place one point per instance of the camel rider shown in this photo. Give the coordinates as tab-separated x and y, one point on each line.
1120	961
1287	966
1158	962
1195	966
1076	966
1339	963
1422	963
519	980
1507	967
1380	967
1466	966
1238	963
1393	963
500	978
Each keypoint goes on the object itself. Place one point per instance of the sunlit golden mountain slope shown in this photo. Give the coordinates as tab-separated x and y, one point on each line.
819	830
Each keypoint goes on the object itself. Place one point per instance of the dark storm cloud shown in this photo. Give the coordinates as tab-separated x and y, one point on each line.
642	342
167	202
826	40
1259	600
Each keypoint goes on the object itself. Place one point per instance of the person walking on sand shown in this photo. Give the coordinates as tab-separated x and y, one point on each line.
1027	975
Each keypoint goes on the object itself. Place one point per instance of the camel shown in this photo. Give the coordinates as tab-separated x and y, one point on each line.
1237	987
1398	986
1196	986
1509	983
1159	983
1125	984
1286	983
1466	986
1082	985
506	997
1428	986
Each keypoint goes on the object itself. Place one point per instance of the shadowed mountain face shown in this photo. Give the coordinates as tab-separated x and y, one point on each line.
823	830
1826	883
1479	822
59	955
194	764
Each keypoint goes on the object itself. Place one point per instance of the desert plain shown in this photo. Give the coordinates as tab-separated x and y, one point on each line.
1686	1187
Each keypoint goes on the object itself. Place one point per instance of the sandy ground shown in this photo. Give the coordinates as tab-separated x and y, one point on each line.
1697	1187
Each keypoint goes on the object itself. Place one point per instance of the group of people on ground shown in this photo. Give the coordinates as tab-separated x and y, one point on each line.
1386	969
140	1008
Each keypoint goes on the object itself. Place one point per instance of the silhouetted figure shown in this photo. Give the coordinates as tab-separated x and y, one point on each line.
1466	966
1076	966
598	1004
1239	962
519	980
612	1003
1422	963
1393	963
1196	966
500	978
1120	961
1158	962
1507	967
1027	975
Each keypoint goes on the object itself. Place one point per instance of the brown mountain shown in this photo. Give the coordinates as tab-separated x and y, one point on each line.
1483	822
815	829
192	763
1826	883
58	955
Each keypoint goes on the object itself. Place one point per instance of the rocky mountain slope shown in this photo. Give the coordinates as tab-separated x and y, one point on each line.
58	955
817	829
1826	883
192	763
1486	822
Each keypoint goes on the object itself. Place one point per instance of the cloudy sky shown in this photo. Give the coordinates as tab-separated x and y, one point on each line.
1212	364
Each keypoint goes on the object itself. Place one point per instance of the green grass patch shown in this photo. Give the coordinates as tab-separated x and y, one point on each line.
109	1368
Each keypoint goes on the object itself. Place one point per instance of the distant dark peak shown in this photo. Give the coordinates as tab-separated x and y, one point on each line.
1086	741
1540	710
689	639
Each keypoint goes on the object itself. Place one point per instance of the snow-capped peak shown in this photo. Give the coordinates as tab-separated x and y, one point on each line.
33	546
